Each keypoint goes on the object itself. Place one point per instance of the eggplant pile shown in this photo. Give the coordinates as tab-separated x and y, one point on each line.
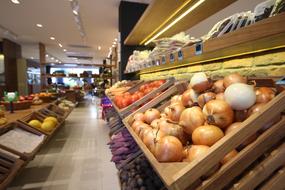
139	175
123	147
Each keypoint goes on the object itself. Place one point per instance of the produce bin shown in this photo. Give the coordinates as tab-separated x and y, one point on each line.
21	140
18	105
193	175
60	112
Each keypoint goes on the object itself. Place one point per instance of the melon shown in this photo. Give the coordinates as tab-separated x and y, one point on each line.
48	126
35	123
53	119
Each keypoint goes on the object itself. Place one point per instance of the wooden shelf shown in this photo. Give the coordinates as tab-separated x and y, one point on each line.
262	36
51	76
158	15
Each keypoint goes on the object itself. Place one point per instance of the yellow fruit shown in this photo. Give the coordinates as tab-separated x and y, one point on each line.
48	126
35	123
3	120
53	119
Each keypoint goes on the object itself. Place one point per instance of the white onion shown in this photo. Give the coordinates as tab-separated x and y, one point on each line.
200	82
240	96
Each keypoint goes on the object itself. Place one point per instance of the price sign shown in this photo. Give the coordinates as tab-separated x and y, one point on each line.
199	48
180	55
163	59
171	58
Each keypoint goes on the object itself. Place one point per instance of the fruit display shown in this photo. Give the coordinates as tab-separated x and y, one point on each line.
66	105
139	175
119	88
198	118
47	125
37	100
123	147
128	98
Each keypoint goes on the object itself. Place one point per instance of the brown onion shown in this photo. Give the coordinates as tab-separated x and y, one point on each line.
255	109
219	113
206	97
174	111
234	78
191	118
136	123
154	123
186	98
150	138
195	152
200	82
218	86
144	131
228	157
151	114
175	99
207	135
168	149
172	129
240	115
236	126
264	94
138	128
139	117
220	96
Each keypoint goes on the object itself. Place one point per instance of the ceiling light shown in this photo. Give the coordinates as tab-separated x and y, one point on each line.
32	57
56	60
113	45
64	50
15	1
46	55
52	38
39	25
175	21
75	12
59	62
60	45
116	39
52	58
110	48
99	47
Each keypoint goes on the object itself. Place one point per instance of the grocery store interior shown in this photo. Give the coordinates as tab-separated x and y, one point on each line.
142	94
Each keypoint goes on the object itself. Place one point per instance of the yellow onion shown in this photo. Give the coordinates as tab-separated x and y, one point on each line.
207	135
234	78
200	82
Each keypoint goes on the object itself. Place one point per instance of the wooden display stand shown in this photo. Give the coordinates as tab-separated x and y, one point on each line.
183	175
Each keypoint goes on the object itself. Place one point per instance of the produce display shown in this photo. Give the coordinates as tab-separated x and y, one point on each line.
47	125
3	119
66	105
128	98
201	116
139	175
123	147
119	87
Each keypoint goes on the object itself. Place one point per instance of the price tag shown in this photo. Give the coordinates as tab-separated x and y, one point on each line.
199	48
180	55
171	58
163	59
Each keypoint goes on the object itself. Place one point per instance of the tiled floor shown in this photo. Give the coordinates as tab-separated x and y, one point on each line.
77	158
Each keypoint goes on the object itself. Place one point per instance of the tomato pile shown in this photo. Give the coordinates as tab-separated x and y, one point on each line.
127	98
201	116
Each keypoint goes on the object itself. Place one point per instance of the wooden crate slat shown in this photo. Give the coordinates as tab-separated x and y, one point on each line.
276	182
262	170
247	156
199	167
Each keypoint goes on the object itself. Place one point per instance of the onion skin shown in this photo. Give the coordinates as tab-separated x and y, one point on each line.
154	123
191	118
151	137
136	123
228	157
206	97
139	117
174	111
200	82
240	115
196	151
207	135
256	108
264	94
234	78
220	96
151	114
143	131
219	113
138	128
186	98
176	99
240	96
168	149
218	86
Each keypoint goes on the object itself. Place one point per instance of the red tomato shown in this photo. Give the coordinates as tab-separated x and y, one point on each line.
148	90
135	97
140	94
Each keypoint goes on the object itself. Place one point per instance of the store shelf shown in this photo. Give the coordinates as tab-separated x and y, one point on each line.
51	76
158	15
262	36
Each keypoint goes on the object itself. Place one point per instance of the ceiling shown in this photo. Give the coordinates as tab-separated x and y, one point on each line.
99	19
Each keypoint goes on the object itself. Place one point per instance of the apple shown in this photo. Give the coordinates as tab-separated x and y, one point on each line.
21	98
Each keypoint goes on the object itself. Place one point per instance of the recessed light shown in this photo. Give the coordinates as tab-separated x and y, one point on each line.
99	47
75	12
39	25
15	1
52	58
32	57
60	45
59	62
64	50
52	38
113	45
56	60
116	39
46	55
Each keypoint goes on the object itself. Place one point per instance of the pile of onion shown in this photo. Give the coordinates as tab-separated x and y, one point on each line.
206	97
200	82
191	118
174	111
151	114
195	151
207	135
234	78
264	94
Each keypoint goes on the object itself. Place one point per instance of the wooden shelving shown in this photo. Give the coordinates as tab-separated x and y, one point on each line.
159	14
52	76
262	36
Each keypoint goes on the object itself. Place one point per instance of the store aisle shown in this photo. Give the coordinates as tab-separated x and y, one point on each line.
77	158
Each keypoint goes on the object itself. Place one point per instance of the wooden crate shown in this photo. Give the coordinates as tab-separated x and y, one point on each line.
10	165
48	113
23	155
183	175
36	115
18	105
124	112
60	112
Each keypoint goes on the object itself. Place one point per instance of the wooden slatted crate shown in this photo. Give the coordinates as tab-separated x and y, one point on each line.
10	148
48	113
183	175
62	113
129	109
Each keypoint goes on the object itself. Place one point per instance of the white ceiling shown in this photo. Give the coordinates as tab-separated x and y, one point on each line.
99	18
